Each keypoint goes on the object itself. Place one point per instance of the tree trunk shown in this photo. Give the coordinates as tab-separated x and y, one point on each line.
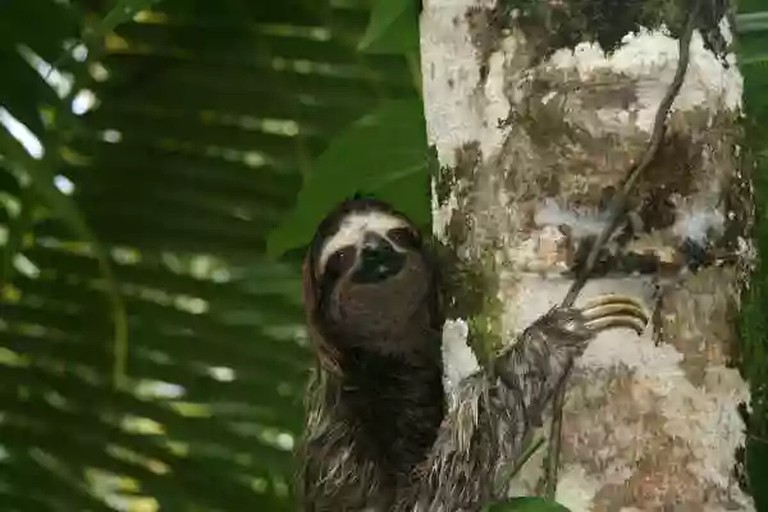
536	111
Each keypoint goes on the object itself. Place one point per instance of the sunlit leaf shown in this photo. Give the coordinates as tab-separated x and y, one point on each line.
42	183
120	12
752	22
18	227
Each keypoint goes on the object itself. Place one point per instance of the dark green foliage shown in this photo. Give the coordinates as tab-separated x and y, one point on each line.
208	115
753	60
526	504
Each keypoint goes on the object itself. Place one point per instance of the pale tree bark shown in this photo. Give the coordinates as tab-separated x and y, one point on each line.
536	110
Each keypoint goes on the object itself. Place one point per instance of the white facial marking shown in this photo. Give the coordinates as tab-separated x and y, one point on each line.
353	229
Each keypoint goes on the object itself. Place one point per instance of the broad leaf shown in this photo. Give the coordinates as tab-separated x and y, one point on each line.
393	28
383	149
526	504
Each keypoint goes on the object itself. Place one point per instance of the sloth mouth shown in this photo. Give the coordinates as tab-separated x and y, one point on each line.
378	261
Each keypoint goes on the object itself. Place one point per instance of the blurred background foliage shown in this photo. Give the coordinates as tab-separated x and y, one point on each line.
161	165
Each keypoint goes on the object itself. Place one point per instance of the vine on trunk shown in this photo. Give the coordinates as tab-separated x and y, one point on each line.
617	207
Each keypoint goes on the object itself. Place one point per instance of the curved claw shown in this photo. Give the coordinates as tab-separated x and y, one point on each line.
610	311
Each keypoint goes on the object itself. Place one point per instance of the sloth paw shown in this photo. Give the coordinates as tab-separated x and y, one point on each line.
610	311
575	326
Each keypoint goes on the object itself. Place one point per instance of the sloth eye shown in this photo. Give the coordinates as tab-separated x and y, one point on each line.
405	238
340	261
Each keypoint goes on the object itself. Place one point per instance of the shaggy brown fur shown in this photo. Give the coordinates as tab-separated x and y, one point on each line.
381	434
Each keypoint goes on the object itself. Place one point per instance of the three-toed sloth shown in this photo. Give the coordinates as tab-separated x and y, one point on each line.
380	434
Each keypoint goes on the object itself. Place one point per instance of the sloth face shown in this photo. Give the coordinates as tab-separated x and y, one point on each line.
373	279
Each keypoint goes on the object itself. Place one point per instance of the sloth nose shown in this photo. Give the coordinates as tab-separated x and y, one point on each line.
378	260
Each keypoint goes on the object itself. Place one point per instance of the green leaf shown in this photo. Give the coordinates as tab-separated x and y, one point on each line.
745	6
392	28
42	184
526	504
124	10
751	22
384	149
202	123
18	228
752	49
410	195
757	467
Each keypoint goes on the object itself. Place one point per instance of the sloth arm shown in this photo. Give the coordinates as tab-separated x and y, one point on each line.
489	424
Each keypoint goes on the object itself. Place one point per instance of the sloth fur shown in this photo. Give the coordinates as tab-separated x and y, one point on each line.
380	433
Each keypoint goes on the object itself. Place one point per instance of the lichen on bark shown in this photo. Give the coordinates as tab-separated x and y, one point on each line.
469	281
